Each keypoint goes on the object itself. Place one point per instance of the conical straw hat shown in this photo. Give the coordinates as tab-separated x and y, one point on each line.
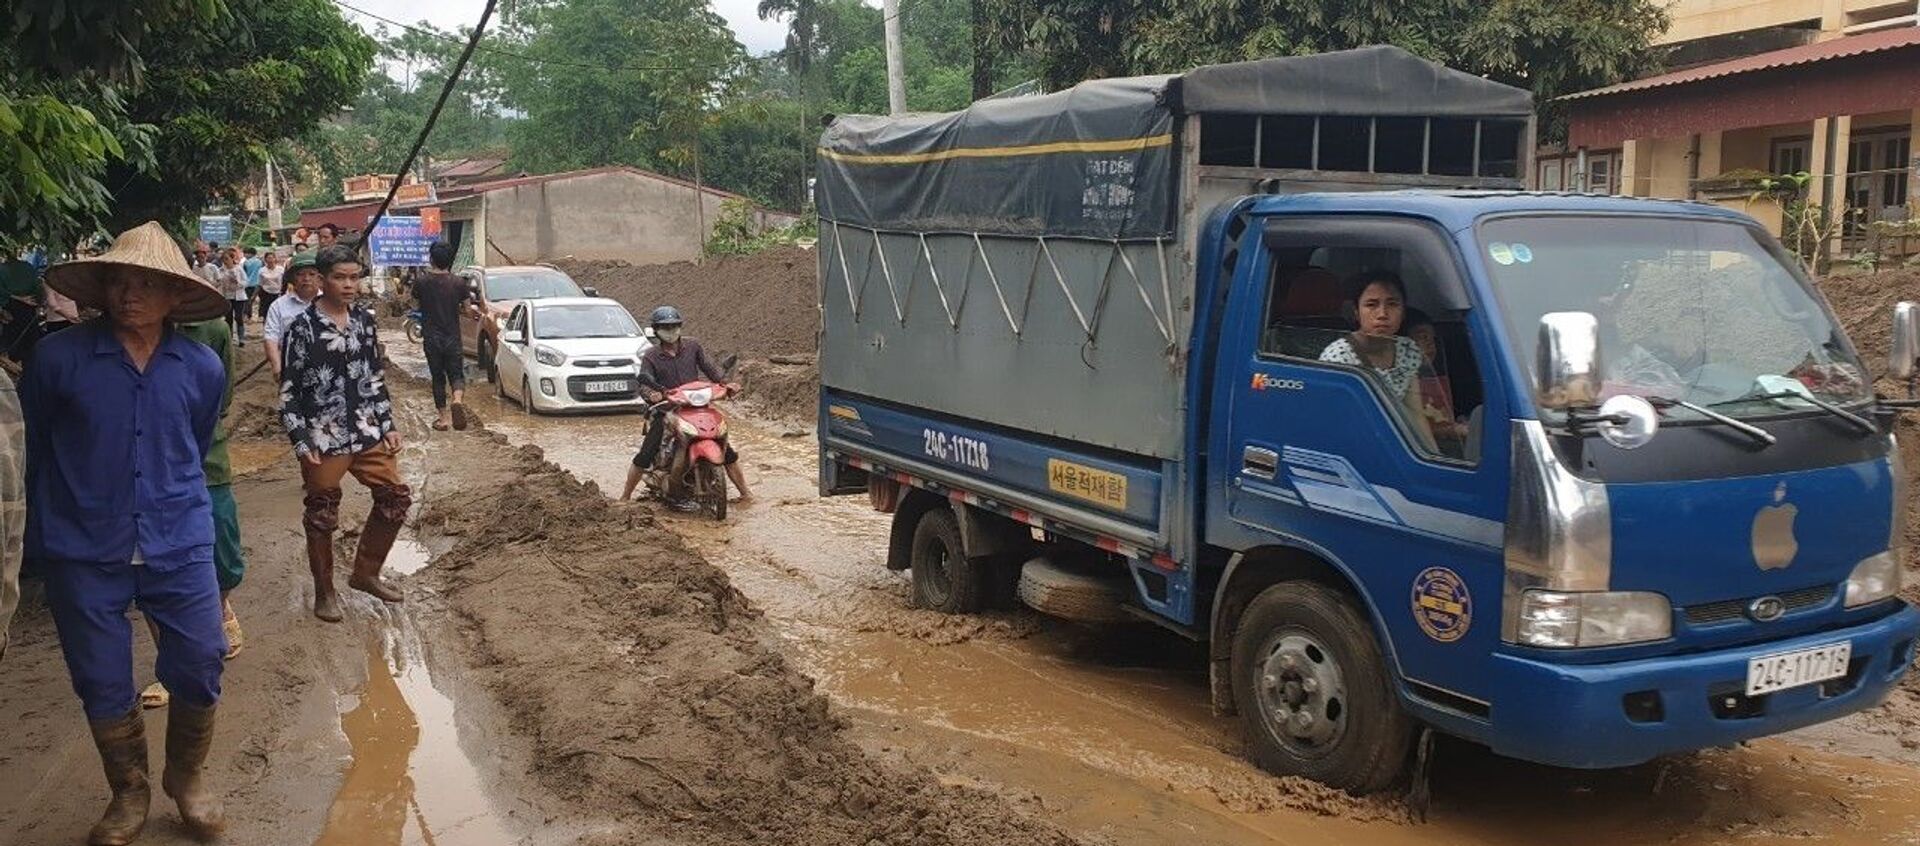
144	249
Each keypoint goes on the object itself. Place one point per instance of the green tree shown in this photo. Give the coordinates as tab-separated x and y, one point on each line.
64	65
224	93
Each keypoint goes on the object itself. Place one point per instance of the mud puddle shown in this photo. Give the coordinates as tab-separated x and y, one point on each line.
1110	731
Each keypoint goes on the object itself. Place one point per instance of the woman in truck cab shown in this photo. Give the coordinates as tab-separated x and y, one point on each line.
1377	303
1434	384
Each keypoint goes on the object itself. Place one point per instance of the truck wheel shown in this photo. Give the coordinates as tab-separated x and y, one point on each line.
944	578
1312	688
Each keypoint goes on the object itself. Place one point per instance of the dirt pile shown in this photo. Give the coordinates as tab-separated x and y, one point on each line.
1864	304
659	701
758	305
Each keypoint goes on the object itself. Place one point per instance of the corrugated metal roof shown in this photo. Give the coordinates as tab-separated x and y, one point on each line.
1821	51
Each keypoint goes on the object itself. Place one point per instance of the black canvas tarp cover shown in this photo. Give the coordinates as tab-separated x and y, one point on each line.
1097	160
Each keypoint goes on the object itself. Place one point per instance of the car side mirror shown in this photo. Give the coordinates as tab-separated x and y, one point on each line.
1906	341
590	291
514	336
1568	360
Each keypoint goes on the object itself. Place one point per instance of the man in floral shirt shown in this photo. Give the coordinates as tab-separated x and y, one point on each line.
334	404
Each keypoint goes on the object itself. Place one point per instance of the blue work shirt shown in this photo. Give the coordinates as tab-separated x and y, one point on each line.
114	455
252	267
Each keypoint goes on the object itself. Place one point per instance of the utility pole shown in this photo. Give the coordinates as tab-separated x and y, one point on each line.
896	71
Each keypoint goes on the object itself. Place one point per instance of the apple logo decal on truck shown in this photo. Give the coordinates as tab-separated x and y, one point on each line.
1773	544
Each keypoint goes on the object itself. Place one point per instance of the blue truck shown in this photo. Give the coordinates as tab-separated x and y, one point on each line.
1276	355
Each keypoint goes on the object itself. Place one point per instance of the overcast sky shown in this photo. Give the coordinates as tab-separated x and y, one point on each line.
759	36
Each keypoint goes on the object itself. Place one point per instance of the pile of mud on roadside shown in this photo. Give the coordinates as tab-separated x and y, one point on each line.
1864	304
658	705
757	306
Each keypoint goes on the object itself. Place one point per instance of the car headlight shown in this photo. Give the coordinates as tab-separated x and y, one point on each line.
1565	620
548	356
1873	579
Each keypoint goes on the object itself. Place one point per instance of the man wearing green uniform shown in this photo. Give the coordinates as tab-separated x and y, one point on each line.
227	560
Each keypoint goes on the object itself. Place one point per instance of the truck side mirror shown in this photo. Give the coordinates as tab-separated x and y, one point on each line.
1568	363
1906	340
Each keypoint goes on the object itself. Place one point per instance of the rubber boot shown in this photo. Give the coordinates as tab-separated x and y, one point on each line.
123	754
376	540
326	600
189	736
322	517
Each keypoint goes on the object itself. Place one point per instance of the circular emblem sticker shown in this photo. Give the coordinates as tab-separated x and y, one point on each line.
1522	253
1500	252
1441	604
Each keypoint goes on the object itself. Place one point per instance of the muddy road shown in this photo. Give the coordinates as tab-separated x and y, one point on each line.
572	670
1108	732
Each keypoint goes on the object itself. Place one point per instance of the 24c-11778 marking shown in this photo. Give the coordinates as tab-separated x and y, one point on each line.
956	449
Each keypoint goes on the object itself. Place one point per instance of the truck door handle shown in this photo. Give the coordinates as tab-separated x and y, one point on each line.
1259	462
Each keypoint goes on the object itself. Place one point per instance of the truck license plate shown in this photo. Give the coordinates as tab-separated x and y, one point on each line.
1772	673
606	387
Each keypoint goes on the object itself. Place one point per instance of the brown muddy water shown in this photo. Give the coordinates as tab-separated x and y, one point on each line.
1110	730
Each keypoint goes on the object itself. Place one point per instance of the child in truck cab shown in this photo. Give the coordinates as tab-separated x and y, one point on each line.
1377	305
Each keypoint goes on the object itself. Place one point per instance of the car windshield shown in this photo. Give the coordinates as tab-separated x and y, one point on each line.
529	285
584	321
1707	312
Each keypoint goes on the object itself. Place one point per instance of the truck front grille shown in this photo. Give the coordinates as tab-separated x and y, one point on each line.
1729	610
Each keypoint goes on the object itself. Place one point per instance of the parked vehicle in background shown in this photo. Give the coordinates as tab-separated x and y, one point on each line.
1658	508
560	354
499	290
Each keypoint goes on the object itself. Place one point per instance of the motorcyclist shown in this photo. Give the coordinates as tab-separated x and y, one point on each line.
674	360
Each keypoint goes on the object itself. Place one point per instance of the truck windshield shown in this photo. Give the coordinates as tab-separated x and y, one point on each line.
1707	312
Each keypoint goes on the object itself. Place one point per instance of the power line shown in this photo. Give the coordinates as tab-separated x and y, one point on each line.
511	54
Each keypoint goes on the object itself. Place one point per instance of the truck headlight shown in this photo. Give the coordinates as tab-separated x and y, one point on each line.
1873	579
549	356
1564	620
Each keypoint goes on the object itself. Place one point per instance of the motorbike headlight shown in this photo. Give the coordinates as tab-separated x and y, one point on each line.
549	356
1873	579
1566	620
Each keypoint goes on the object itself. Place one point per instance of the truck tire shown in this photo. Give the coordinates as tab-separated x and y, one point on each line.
944	578
1313	691
1053	590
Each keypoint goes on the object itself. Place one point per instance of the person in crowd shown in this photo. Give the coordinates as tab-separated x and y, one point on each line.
302	288
442	296
674	361
233	283
272	275
13	502
336	410
120	415
252	263
1377	300
229	562
326	236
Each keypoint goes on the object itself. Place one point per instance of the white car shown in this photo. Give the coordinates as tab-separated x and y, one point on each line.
571	354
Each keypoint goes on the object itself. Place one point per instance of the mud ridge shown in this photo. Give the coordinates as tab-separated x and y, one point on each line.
658	701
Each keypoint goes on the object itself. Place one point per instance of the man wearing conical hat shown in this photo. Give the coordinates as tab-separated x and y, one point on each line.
120	415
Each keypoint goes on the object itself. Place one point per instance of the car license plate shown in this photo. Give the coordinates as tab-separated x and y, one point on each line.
606	387
1792	669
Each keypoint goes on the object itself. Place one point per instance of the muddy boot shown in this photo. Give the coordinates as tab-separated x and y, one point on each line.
123	754
376	539
326	601
322	517
189	736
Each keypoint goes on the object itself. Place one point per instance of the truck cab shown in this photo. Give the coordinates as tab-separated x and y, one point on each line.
1631	476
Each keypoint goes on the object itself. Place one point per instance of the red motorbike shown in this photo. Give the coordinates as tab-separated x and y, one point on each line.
692	461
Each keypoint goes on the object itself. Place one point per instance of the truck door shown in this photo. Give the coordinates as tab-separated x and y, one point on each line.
1383	453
